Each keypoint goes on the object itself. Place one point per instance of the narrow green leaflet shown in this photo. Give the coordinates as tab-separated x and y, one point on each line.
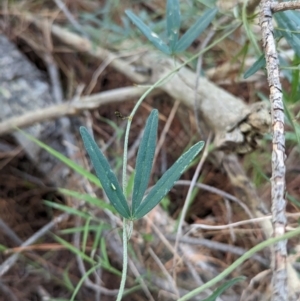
65	160
173	22
166	182
144	160
148	33
106	176
193	32
289	23
258	64
223	288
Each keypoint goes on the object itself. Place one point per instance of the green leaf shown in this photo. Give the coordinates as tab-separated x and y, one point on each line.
173	22
289	24
224	287
148	33
166	182
106	176
144	160
193	32
65	160
259	64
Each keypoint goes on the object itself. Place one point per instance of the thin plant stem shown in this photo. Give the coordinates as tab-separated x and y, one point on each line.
83	279
157	84
125	261
238	262
124	176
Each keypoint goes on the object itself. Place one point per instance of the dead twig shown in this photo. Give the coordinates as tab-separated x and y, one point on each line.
244	222
219	192
8	292
187	200
8	263
70	18
165	130
70	108
214	245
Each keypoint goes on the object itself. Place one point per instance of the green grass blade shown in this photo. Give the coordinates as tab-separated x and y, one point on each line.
193	32
89	199
290	117
92	178
248	30
144	160
106	176
148	33
223	288
166	182
295	88
258	64
85	234
173	22
67	282
68	209
96	239
74	250
289	23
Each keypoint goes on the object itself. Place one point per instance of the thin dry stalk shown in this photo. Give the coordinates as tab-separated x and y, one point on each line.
143	284
8	292
279	267
8	263
165	130
164	271
218	192
70	108
70	17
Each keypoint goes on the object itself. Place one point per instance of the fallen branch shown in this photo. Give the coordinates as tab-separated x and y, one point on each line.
70	108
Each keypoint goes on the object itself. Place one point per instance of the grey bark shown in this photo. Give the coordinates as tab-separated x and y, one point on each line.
23	89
